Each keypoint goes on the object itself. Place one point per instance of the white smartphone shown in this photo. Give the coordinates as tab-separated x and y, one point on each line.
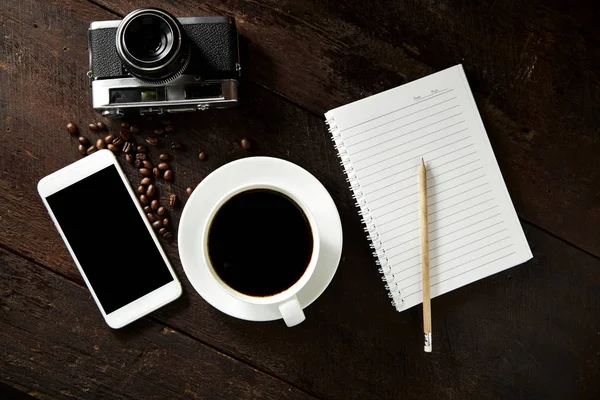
110	239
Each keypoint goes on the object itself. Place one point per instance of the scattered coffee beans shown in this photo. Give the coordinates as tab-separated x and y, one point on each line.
124	125
141	156
154	205
175	145
245	143
169	129
156	172
129	158
141	149
161	211
159	131
81	149
144	200
100	144
173	200
138	164
146	181
162	231
72	128
147	164
152	140
157	224
83	141
164	157
109	139
125	135
93	127
118	141
90	150
165	222
145	171
101	126
113	148
140	190
151	191
168	176
134	129
151	217
147	209
168	237
202	156
163	166
127	147
189	191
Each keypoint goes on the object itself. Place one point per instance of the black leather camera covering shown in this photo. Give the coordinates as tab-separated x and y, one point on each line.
214	51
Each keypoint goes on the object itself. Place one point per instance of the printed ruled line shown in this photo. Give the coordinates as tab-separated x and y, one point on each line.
445	91
398	119
429	152
405	134
407	151
476	187
455	258
465	227
455	168
464	219
458	212
456	177
454	187
455	276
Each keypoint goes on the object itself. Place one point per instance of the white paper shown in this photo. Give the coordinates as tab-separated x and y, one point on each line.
474	231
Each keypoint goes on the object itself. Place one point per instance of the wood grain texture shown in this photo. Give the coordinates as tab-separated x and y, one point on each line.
533	66
530	332
53	347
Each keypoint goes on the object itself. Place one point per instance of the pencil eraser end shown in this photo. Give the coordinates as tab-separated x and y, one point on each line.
427	349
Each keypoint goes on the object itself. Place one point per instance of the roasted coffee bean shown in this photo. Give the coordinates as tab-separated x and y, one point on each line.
140	190
151	217
173	200
100	144
245	143
113	148
162	231
147	164
142	149
169	129
157	224
175	145
151	191
109	139
101	126
134	129
141	156
147	209
164	157
152	140
138	164
146	181
145	172
93	127
168	176
81	149
161	211
92	149
189	191
168	237
144	200
127	147
118	141
72	128
124	125
154	205
129	158
163	166
125	136
83	141
202	156
165	222
159	132
156	172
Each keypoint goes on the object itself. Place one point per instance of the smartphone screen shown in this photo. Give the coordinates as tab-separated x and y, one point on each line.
110	239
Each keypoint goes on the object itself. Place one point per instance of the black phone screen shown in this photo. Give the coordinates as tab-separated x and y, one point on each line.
109	238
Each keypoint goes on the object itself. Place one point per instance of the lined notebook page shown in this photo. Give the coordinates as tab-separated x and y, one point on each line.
473	228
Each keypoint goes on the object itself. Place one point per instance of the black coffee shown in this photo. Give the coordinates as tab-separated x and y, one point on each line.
260	242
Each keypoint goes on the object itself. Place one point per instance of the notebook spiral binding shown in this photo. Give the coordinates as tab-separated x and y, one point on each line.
375	244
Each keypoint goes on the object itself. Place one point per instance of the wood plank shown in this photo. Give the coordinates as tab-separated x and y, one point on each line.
532	65
52	346
502	337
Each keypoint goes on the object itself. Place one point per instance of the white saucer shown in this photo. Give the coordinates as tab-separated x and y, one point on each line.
259	171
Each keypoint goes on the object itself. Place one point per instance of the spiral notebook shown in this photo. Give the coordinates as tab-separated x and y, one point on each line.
474	231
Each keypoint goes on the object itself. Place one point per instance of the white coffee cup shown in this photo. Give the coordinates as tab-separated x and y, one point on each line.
287	302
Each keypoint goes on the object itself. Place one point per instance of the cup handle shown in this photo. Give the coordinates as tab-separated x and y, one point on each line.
291	311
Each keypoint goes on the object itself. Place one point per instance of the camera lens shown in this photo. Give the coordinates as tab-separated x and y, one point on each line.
151	45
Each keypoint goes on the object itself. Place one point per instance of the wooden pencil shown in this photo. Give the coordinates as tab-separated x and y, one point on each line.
425	256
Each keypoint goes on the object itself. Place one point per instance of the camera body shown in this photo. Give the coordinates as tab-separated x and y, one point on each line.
153	63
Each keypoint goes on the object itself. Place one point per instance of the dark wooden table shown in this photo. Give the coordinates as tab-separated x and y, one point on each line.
531	332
